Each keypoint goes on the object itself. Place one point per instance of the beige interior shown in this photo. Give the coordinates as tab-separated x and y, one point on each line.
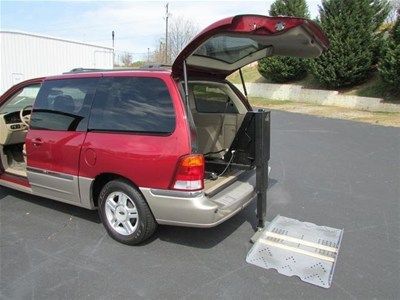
11	147
14	160
10	136
212	186
216	131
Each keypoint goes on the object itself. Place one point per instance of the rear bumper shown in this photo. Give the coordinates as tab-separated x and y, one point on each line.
195	209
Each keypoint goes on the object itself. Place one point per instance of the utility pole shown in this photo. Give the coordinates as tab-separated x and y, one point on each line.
113	40
166	32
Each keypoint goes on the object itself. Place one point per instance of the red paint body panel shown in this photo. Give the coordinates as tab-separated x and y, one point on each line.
57	151
146	160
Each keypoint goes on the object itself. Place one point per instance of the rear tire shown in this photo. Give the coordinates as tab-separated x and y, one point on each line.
125	213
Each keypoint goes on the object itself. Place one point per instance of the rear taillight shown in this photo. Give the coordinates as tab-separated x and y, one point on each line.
189	174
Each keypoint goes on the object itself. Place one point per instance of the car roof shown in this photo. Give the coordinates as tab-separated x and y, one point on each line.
94	73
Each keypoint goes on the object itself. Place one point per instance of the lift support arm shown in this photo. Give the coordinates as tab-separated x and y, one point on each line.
262	156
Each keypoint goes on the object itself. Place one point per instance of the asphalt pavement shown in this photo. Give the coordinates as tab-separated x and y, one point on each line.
336	173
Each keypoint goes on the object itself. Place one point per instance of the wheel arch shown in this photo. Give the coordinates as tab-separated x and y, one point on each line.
102	179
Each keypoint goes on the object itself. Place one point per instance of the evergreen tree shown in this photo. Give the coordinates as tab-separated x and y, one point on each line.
289	8
283	69
351	27
382	9
389	66
396	30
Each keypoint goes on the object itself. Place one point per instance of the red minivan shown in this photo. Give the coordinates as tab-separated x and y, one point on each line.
149	146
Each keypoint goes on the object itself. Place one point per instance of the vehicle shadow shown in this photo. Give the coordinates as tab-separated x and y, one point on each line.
204	238
79	212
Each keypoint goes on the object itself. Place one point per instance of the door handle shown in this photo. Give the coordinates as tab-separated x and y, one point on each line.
37	142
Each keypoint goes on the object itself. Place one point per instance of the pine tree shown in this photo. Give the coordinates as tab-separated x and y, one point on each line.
389	66
351	27
292	8
396	30
283	69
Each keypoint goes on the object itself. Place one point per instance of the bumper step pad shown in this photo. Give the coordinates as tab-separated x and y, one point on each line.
298	248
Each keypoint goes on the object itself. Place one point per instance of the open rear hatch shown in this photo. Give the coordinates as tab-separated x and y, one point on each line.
226	46
231	43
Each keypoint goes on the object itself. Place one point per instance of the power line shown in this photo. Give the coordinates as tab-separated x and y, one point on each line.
90	26
116	38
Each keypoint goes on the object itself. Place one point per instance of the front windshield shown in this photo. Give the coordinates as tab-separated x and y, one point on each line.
23	98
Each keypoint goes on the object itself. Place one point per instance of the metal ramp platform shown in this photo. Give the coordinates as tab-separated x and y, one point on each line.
298	248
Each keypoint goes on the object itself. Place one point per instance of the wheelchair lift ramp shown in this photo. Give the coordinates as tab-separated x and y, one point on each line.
298	248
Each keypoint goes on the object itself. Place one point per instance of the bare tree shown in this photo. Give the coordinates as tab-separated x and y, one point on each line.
126	59
158	56
180	32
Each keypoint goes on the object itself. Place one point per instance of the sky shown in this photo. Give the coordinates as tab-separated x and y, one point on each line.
138	25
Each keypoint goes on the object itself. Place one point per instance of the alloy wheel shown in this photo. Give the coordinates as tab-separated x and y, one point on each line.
121	213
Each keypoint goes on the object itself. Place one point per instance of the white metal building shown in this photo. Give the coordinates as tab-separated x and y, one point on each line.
25	56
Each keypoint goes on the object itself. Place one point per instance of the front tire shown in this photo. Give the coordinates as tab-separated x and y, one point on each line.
124	213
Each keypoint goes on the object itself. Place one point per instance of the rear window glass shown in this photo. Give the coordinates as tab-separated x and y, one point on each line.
130	104
210	98
64	104
228	49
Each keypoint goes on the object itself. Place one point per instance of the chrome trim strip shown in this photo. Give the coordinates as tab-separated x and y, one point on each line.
50	173
15	186
173	193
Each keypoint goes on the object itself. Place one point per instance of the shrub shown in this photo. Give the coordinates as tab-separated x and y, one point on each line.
283	69
389	66
351	27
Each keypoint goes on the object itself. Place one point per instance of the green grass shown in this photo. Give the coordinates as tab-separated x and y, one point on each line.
250	74
373	87
258	101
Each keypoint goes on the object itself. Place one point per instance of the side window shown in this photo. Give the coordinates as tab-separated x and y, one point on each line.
64	104
212	99
21	99
132	104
